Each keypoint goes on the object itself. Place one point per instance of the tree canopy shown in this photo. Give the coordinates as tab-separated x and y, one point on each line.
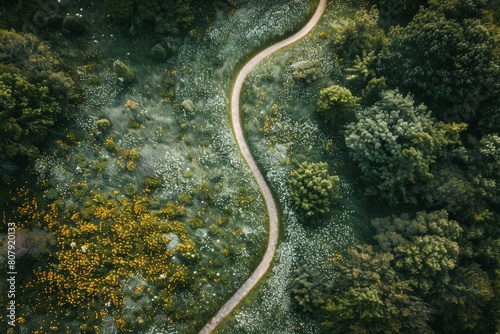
456	74
394	143
34	91
313	189
166	17
358	36
335	104
370	297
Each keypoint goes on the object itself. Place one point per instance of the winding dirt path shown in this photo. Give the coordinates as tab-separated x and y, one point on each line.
266	191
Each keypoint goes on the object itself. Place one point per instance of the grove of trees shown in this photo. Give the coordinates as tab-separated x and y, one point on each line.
424	139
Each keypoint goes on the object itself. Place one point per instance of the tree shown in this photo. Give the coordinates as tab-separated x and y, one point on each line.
425	248
26	115
369	296
394	143
393	12
313	188
308	288
466	184
34	93
456	73
335	104
484	162
359	35
466	296
166	17
425	258
373	91
451	189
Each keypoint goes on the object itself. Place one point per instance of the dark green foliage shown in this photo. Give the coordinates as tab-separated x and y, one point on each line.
26	55
33	91
335	104
361	72
460	9
449	188
166	17
307	71
73	25
195	222
456	73
394	143
358	41
313	189
484	170
26	115
425	248
393	12
447	57
468	292
185	199
169	87
496	307
467	186
121	10
369	297
373	91
152	182
158	52
308	288
358	36
413	272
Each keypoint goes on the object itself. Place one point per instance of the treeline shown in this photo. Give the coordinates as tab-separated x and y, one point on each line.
419	111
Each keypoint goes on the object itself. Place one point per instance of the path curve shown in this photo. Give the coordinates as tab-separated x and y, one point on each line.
264	187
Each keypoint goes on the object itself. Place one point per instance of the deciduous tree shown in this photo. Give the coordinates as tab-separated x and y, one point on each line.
369	297
335	104
313	189
456	73
425	247
394	143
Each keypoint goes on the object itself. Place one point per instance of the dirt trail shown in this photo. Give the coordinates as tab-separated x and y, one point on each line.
264	187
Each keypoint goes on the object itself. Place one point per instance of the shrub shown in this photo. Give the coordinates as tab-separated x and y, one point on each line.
123	71
313	188
335	104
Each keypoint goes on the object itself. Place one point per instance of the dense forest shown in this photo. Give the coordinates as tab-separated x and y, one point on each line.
135	213
419	114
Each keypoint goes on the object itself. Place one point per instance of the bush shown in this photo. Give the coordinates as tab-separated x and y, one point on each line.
123	72
307	71
33	94
313	189
152	182
308	288
27	112
335	103
158	52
